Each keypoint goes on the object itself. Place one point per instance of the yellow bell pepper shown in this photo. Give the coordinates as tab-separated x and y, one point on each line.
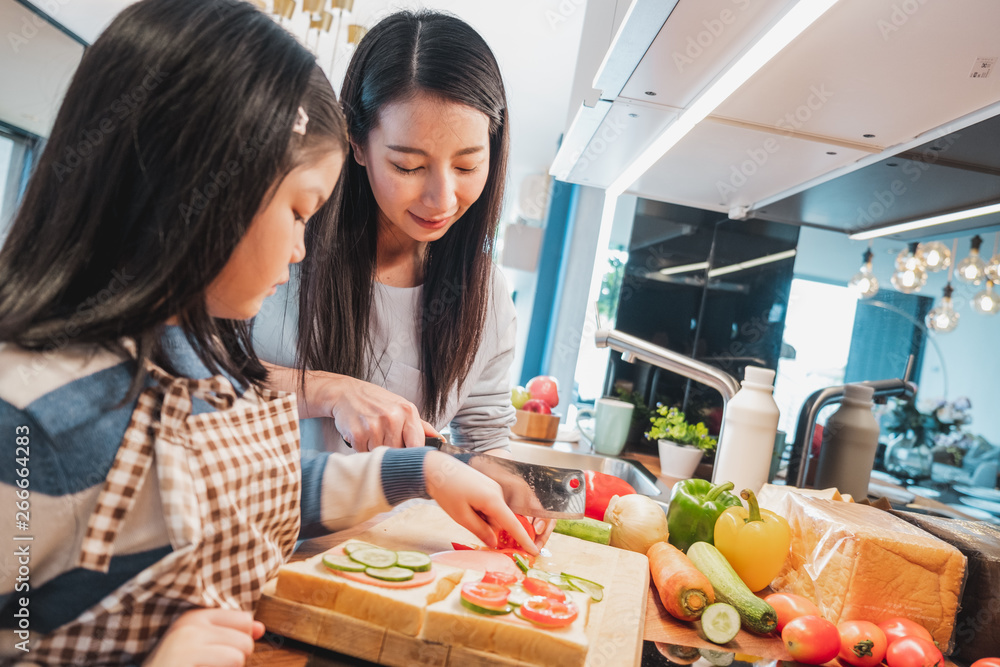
754	541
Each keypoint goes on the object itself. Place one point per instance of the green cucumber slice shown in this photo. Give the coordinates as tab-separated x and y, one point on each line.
535	573
591	588
413	560
374	557
522	562
389	573
353	545
719	623
560	581
486	610
717	658
517	595
343	563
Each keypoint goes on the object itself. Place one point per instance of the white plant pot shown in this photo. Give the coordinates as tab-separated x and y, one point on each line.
678	460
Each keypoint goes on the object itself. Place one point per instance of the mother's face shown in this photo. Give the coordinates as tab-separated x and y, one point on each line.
427	161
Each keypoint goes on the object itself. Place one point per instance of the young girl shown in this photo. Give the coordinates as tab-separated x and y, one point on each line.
162	485
432	325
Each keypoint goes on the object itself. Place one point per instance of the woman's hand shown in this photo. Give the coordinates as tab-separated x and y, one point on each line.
473	500
207	638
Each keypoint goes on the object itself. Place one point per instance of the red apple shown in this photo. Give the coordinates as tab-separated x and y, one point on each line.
544	388
537	405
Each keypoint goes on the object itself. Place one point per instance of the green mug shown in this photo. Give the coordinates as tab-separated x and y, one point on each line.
612	419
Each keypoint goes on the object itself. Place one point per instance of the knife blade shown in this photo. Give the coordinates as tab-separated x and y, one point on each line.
529	489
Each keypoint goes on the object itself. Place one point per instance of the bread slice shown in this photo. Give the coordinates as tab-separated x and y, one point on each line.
448	622
859	563
310	582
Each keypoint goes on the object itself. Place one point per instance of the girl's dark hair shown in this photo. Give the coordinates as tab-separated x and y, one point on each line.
175	130
404	55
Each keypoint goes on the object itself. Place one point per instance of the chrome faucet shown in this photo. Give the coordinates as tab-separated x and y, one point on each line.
798	462
633	349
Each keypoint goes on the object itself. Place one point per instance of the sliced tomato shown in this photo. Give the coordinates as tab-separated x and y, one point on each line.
546	611
488	596
543	588
506	541
458	546
502	578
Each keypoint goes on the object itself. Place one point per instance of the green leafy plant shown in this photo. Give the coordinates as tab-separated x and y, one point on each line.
670	424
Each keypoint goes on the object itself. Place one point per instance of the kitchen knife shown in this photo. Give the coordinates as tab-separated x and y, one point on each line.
529	489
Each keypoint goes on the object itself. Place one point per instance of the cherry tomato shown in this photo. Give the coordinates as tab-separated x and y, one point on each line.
913	652
502	578
546	611
897	628
862	643
543	588
488	596
506	541
987	662
789	606
811	639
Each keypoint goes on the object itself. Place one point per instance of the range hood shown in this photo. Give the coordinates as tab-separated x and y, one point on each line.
881	111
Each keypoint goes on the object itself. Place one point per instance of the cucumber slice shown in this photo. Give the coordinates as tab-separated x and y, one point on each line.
413	560
389	573
517	595
522	562
486	610
717	658
591	588
353	545
535	573
374	557
719	623
343	563
560	581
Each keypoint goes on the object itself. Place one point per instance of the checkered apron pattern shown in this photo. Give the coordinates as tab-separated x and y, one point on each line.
229	483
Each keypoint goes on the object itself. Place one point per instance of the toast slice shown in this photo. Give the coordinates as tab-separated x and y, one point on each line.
449	622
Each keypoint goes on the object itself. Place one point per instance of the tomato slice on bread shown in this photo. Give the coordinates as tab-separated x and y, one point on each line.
502	578
543	589
486	595
548	612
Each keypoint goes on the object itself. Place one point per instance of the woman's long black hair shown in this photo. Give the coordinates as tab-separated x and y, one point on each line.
404	55
175	130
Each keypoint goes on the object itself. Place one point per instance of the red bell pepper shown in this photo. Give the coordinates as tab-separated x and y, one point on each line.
600	489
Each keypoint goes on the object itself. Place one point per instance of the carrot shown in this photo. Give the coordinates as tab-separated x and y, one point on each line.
683	589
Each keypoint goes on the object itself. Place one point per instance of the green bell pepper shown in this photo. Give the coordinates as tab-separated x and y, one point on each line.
695	505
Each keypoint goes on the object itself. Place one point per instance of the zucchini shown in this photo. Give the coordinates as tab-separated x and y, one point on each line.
757	615
719	623
588	529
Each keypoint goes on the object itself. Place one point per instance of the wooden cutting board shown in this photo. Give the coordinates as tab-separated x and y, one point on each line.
615	626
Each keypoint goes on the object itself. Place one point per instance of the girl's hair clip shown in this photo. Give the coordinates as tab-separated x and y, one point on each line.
301	122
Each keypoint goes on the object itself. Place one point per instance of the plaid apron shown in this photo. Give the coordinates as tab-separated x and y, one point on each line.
229	483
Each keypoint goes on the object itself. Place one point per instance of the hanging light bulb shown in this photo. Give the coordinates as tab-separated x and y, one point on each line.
993	266
943	317
864	283
972	268
987	301
910	276
934	255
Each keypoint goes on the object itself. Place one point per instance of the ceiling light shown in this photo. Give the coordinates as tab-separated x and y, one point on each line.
751	263
993	266
926	222
910	276
972	269
684	268
790	26
864	283
943	317
934	255
986	302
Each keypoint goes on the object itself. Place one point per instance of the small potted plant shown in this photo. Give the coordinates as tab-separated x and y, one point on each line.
681	444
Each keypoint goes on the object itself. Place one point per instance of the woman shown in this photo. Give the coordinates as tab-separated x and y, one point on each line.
411	319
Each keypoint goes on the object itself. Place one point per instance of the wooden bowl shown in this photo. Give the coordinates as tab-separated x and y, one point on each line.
535	425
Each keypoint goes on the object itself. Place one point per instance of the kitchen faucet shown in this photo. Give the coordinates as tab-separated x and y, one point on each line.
633	349
798	462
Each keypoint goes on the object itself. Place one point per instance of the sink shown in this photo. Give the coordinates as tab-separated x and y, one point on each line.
633	472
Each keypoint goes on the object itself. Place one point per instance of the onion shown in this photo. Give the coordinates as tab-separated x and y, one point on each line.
637	522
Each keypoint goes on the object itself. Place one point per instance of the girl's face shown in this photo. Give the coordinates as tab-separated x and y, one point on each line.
427	161
274	240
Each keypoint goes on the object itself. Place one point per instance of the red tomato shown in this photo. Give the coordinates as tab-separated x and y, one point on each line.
987	662
544	388
546	611
897	628
543	589
502	578
488	596
913	652
811	639
506	541
788	606
862	643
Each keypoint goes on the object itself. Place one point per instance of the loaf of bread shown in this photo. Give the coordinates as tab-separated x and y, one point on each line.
448	622
860	563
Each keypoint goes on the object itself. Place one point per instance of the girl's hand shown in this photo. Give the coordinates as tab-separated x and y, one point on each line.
368	416
473	500
207	638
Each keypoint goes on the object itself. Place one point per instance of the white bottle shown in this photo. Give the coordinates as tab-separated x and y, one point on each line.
748	432
850	439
